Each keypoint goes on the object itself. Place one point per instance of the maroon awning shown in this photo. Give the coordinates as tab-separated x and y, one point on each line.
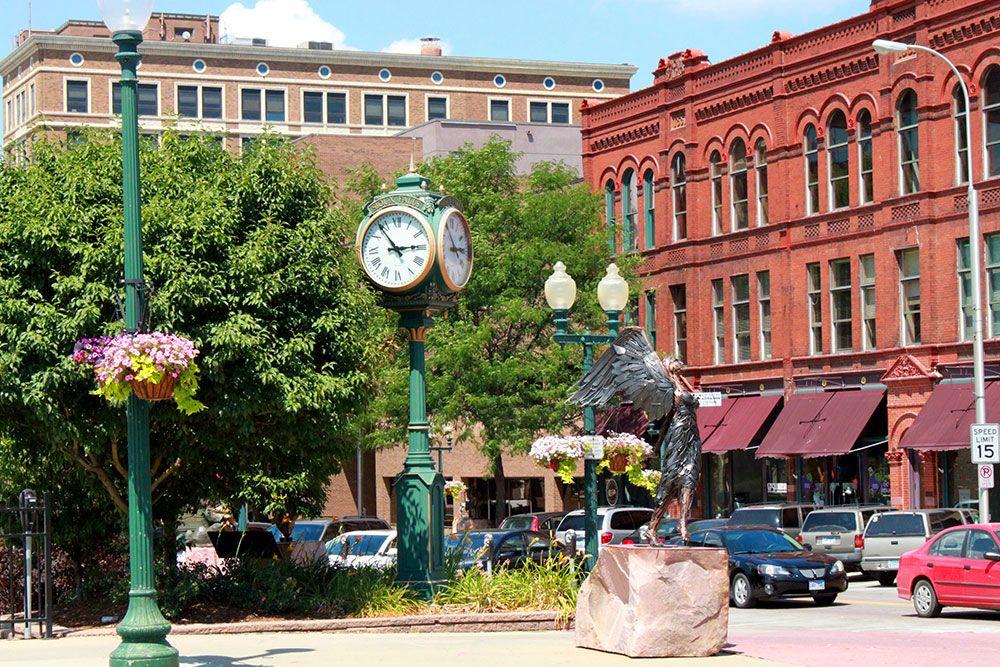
735	423
943	423
622	419
820	424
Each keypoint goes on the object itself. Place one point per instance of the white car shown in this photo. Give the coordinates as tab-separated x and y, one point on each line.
613	524
363	548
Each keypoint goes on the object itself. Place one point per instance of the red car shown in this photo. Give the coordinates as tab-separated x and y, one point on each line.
958	567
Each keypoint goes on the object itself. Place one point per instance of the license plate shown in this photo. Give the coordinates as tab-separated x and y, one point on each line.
829	540
893	565
817	585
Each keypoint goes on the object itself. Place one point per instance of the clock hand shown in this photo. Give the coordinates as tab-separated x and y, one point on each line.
394	248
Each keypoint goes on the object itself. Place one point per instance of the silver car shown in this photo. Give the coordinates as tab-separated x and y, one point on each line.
891	534
613	524
839	532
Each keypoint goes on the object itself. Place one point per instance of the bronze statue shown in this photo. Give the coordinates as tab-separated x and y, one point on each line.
630	370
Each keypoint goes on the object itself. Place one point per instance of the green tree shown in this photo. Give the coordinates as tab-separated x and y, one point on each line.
248	258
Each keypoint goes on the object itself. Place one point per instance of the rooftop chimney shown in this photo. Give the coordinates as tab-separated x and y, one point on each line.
429	46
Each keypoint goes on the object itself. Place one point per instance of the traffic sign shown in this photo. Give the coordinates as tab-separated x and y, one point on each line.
985	443
986	476
709	399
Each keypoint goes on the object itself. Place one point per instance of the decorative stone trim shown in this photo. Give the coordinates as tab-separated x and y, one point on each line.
835	73
628	137
967	31
735	104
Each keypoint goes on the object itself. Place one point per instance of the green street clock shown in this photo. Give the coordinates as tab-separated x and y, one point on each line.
415	247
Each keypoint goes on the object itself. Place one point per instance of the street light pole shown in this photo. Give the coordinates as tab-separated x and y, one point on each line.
883	46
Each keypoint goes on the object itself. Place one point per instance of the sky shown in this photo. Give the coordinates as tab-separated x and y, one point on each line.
637	32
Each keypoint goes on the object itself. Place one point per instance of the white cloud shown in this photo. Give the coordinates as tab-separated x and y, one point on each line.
281	22
413	46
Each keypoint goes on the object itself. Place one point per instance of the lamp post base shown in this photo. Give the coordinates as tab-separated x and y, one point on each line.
144	635
144	655
420	521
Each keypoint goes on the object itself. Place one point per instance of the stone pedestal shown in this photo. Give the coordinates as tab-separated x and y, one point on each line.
655	602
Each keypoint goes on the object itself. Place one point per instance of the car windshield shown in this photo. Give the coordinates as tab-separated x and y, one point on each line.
469	544
758	542
817	521
303	532
575	522
355	545
750	517
668	527
895	523
521	522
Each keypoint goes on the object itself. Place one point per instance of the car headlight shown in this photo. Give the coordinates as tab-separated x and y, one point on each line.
837	567
773	570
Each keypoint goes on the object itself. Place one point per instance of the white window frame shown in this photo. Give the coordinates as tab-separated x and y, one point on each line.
831	194
427	105
759	164
159	97
745	172
833	291
962	160
548	110
898	118
326	118
201	103
716	196
903	342
90	94
863	289
865	197
719	320
985	114
677	312
263	104
765	350
815	291
675	187
510	108
812	206
733	305
385	108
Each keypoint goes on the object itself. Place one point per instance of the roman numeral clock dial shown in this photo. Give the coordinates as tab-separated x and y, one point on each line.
396	250
454	249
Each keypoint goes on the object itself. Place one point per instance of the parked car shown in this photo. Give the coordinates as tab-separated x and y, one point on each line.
667	530
613	524
511	548
766	564
889	535
545	522
839	532
309	530
960	567
702	524
363	548
787	517
354	523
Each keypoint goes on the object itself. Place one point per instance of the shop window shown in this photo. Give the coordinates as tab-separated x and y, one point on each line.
909	144
678	187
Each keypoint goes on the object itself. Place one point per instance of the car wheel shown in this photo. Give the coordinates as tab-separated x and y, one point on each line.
741	593
824	600
925	600
886	578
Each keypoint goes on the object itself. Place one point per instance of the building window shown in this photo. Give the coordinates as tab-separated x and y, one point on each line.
211	102
385	110
263	69
866	182
437	108
741	318
993	282
76	59
247	143
909	148
199	66
324	72
814	295
866	264
556	113
678	294
840	305
649	205
274	106
718	322
250	104
678	187
961	137
312	107
187	101
629	210
597	85
909	295
811	148
715	176
738	184
549	83
31	99
499	81
147	96
500	111
384	75
991	118
437	78
760	159
650	298
329	108
839	162
609	215
965	311
764	312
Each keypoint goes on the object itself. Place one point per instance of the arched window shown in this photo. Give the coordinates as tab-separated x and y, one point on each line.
715	176
866	182
909	148
991	117
629	210
811	150
839	161
678	186
961	137
649	205
609	214
738	184
760	161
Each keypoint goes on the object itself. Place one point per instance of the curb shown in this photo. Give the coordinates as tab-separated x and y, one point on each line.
528	621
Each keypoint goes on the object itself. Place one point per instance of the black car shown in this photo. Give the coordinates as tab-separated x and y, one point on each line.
667	530
511	548
766	564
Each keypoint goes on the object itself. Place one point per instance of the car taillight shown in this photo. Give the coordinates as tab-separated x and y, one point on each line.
798	538
859	541
627	541
606	537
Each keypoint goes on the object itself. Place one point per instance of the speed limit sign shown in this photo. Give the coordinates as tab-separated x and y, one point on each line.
985	440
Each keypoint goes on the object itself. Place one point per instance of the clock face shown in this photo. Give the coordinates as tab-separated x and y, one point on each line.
455	249
397	249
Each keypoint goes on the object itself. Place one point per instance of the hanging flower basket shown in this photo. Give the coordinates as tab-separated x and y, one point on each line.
454	487
617	463
559	454
154	366
625	453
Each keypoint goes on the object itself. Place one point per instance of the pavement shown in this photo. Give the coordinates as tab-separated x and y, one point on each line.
868	625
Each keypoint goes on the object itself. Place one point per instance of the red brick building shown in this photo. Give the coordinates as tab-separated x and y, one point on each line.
802	214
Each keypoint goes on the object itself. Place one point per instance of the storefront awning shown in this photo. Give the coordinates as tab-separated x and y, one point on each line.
820	424
735	423
943	423
623	419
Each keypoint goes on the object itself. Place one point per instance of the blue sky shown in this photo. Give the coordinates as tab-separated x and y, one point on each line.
638	32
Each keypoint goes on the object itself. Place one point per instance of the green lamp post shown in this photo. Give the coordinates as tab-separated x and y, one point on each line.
612	293
415	247
143	629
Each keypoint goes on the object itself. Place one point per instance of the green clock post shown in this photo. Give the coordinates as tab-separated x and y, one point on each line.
414	245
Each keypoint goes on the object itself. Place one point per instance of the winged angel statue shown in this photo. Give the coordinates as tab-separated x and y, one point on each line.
630	370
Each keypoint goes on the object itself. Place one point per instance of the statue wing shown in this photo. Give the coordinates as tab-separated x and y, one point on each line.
630	369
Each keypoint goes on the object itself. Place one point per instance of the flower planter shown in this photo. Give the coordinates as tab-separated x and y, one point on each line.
161	391
553	466
617	463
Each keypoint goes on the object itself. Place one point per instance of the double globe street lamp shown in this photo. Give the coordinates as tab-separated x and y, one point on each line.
612	293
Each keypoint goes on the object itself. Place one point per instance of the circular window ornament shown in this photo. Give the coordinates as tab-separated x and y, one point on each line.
549	83
76	59
384	75
437	78
324	72
598	85
263	69
499	81
199	66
